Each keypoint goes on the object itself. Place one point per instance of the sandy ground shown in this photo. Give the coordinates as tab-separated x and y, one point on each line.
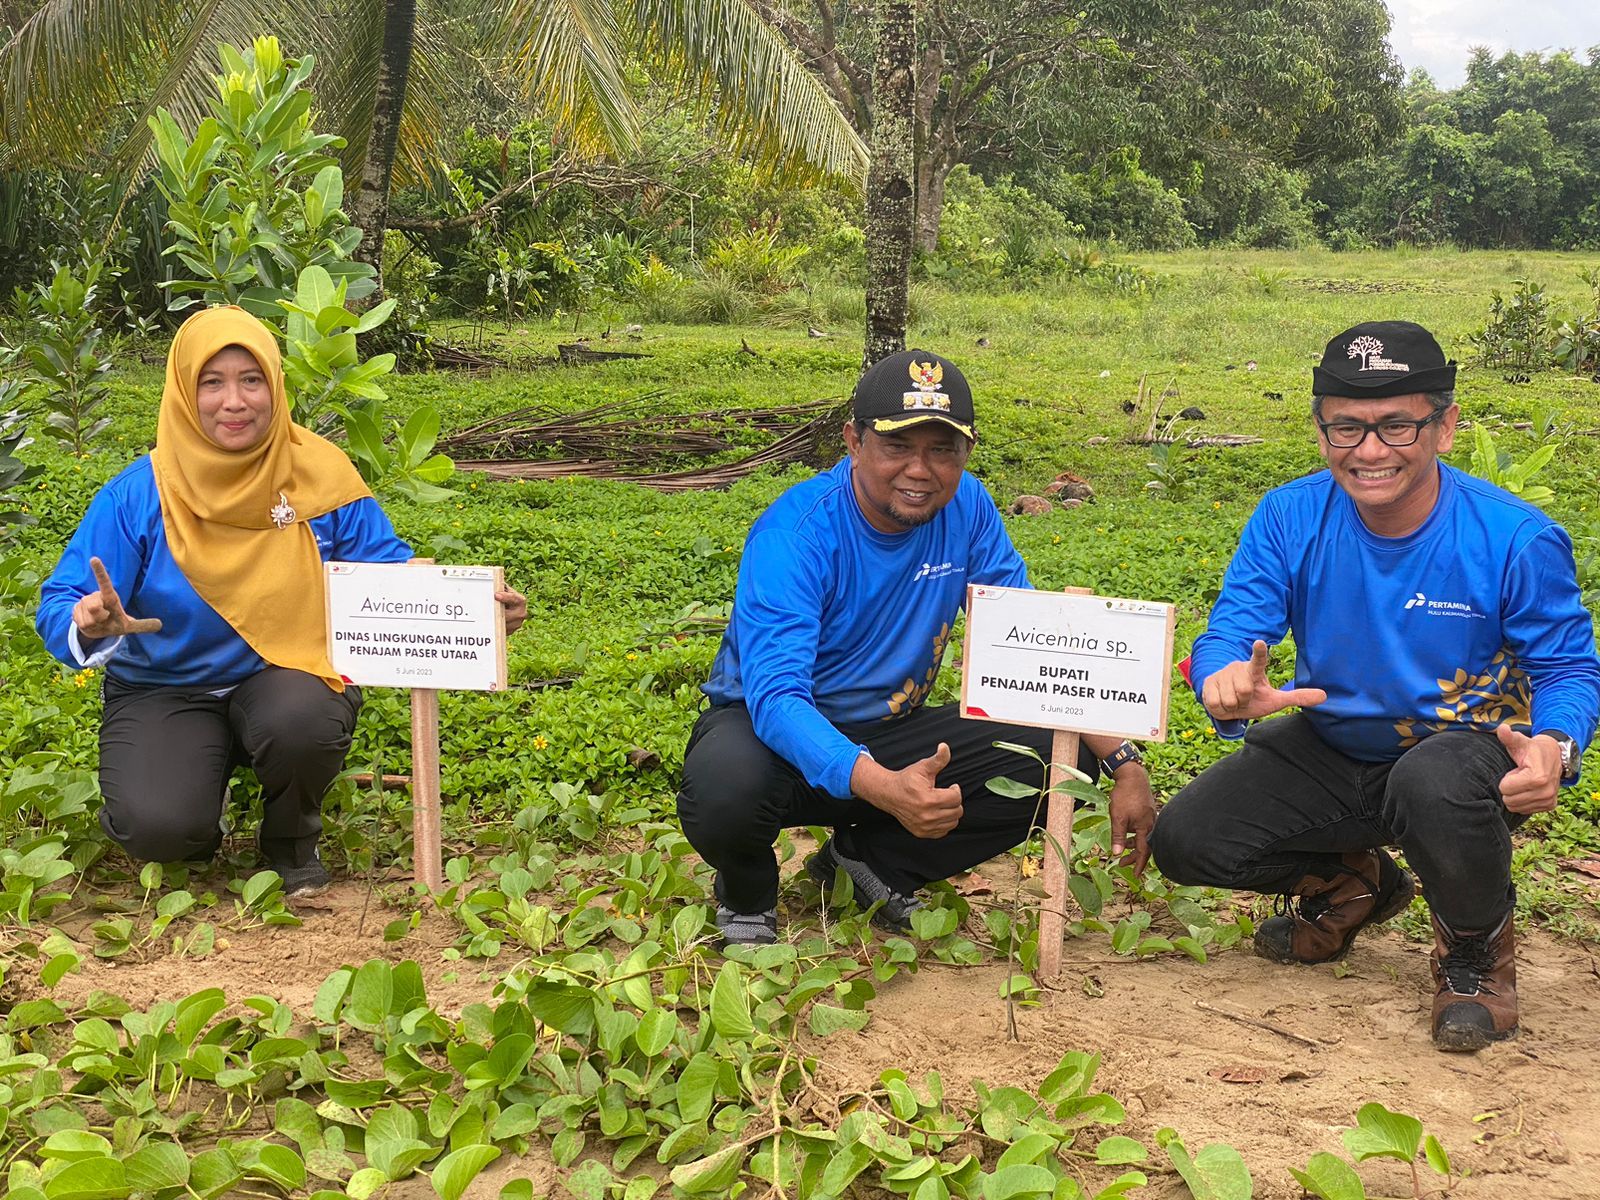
1523	1116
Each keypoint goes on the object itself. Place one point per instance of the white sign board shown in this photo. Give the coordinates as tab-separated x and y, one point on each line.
1092	664
416	625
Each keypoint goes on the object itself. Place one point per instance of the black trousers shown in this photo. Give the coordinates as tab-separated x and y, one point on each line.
166	754
737	794
1286	802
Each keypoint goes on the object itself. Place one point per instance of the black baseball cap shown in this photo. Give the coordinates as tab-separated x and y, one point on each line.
1383	358
911	388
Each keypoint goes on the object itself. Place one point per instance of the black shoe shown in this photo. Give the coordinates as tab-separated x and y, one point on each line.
743	929
894	909
302	882
747	929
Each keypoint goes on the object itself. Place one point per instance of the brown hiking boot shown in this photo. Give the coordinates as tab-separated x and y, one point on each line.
1320	917
1475	982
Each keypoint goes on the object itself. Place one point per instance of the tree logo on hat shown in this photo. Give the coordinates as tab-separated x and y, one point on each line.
1370	351
926	377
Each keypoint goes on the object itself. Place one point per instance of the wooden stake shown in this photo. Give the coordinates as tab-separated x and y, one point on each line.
1057	846
426	854
1057	852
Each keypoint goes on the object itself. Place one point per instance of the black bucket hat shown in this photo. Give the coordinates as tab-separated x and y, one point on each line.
1383	358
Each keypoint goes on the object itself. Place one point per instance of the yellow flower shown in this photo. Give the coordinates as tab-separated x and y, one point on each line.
1056	541
630	656
1187	733
540	743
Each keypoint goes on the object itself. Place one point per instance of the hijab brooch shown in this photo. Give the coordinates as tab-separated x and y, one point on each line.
282	513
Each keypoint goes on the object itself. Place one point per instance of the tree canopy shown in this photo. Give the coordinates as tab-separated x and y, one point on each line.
1509	158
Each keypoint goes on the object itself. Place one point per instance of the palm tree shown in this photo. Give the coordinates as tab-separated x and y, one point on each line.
76	70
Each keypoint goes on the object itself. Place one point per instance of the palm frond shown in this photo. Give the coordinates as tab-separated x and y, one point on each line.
73	62
764	100
80	68
563	55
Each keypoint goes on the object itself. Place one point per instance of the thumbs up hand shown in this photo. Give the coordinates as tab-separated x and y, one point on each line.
912	795
1532	784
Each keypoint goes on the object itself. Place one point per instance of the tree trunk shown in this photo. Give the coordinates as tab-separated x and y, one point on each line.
891	196
932	171
370	207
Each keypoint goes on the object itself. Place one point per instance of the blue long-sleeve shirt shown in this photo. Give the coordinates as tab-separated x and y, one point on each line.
1475	618
836	623
195	646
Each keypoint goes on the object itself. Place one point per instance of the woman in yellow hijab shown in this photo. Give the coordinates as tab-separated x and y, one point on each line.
196	579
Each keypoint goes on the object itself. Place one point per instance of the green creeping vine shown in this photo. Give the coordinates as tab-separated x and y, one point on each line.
700	1066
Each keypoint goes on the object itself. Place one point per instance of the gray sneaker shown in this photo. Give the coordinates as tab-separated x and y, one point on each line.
300	883
747	929
894	909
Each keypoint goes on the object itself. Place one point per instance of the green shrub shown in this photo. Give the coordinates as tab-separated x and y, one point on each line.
717	300
63	358
14	473
755	261
254	196
1120	202
1263	208
1516	337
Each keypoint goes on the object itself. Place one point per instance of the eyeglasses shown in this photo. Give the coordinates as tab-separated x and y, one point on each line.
1347	435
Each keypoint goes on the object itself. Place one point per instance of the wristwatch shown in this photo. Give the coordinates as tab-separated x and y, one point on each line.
1569	751
1121	756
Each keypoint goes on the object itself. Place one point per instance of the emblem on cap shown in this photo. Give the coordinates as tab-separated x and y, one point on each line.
926	377
1370	351
282	513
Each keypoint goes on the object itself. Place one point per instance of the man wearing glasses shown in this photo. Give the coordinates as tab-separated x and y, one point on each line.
1446	672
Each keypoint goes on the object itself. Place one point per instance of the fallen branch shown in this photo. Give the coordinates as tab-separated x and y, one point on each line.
1199	441
1257	1023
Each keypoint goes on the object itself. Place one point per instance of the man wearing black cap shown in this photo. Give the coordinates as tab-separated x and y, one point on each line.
1446	670
848	588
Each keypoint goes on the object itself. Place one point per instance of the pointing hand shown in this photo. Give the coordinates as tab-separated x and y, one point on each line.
1242	692
101	615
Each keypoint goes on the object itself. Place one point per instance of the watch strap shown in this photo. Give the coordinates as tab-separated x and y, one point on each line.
1120	757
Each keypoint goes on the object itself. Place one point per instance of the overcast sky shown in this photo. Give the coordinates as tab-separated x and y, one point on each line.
1438	35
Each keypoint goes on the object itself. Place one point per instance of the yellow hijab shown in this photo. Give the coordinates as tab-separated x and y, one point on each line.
236	520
